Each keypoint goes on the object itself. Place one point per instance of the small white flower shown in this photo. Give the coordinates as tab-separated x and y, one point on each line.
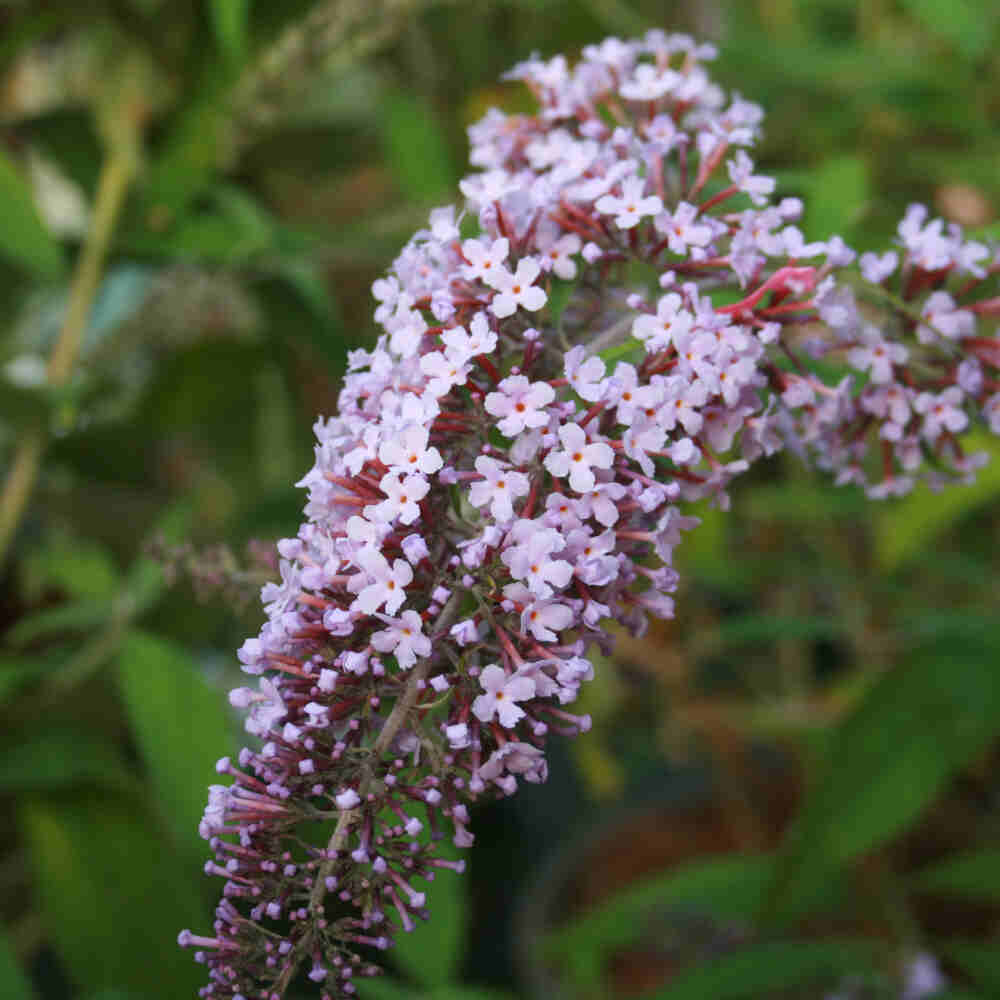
516	290
409	452
632	206
404	638
586	377
380	583
579	458
403	493
500	697
520	404
499	488
484	261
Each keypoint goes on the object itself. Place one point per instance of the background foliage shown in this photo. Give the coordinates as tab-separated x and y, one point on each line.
795	780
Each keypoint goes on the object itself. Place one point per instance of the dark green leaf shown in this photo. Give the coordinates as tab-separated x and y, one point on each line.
981	962
113	895
908	527
888	759
974	875
756	971
80	567
18	671
23	236
14	984
73	617
182	725
55	758
416	147
230	19
726	887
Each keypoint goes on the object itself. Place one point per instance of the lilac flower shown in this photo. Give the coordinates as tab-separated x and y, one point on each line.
412	550
578	458
632	206
500	696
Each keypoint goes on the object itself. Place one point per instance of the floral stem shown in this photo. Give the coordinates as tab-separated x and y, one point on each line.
113	184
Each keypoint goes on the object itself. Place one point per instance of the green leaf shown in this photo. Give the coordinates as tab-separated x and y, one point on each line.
559	293
417	147
71	617
14	984
762	968
57	757
724	887
430	953
181	723
18	671
230	19
836	186
629	349
981	962
113	894
889	758
974	875
966	24
81	567
907	528
23	236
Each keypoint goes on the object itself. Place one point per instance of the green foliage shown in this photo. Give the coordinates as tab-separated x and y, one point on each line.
113	893
766	968
181	723
976	876
13	983
23	236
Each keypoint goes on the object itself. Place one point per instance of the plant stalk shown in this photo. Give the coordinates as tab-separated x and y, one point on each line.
116	176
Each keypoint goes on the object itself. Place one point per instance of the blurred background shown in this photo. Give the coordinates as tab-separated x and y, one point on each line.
791	791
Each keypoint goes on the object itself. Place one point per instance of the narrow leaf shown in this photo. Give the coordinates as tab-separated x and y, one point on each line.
14	984
417	147
181	724
889	758
974	875
230	18
23	236
760	969
113	895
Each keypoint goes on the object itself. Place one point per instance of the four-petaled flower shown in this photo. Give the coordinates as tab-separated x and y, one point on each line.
579	458
501	693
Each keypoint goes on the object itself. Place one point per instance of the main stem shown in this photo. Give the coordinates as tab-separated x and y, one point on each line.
113	184
393	724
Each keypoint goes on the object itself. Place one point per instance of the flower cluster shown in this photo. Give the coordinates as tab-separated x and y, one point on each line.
618	321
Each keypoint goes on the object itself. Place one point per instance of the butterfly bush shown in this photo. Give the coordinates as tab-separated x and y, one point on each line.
618	320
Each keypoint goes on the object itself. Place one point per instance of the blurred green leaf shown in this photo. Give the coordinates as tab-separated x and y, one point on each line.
906	528
836	187
81	567
182	725
981	962
888	759
52	758
391	989
976	876
14	984
416	147
75	616
430	953
23	236
230	19
113	894
724	887
18	671
754	972
966	24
